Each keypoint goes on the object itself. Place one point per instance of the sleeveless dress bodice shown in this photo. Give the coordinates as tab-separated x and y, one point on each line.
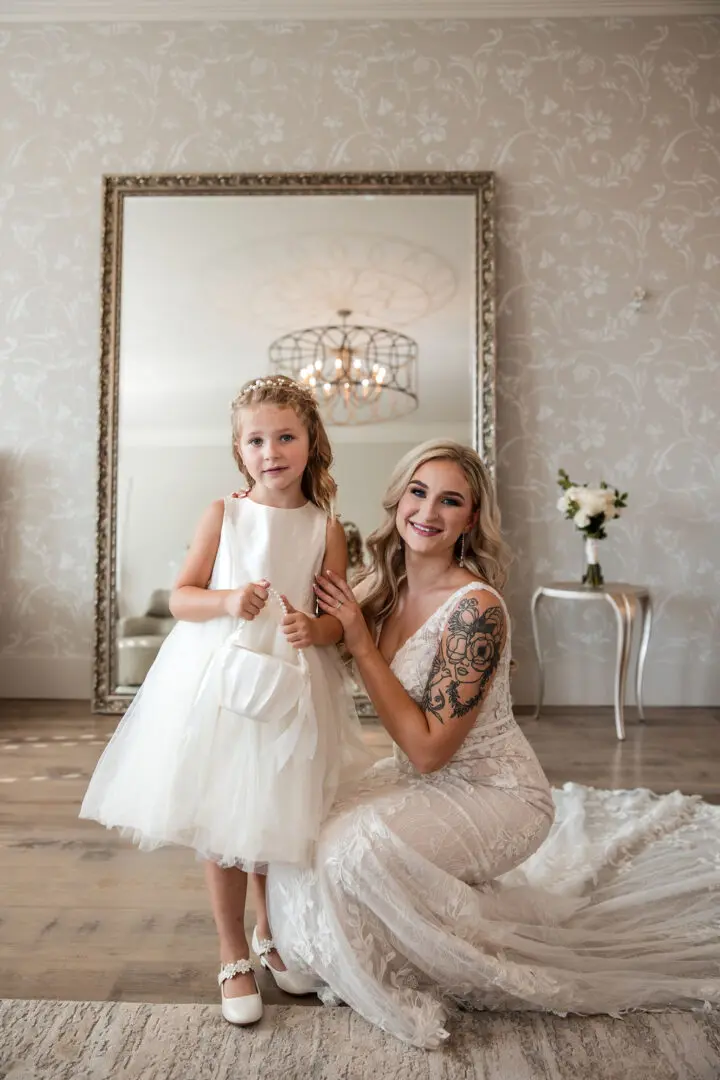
285	547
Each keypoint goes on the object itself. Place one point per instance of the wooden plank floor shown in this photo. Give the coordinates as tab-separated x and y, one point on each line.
83	916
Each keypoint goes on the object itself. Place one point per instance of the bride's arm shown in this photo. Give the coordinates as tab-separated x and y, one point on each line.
458	680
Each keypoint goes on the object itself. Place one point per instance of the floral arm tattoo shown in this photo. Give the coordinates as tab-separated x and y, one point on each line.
466	660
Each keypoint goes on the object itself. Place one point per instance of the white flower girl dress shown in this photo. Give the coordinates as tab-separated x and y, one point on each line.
182	770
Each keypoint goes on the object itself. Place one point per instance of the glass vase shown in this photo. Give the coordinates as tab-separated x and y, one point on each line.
593	576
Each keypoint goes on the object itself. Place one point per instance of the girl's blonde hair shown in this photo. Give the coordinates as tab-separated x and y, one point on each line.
486	554
317	484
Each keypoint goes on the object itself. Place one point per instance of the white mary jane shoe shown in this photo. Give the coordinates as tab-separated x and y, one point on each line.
240	1010
292	982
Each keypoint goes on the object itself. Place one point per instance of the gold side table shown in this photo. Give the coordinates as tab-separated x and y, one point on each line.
626	601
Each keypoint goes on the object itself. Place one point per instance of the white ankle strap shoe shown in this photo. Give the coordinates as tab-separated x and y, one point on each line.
247	1009
292	982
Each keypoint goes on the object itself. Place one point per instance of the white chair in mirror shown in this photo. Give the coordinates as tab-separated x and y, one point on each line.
139	638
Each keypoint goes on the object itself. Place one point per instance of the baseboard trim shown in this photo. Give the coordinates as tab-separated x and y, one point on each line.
70	678
60	677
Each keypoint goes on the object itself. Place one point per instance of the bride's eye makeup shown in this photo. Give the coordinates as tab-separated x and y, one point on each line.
449	500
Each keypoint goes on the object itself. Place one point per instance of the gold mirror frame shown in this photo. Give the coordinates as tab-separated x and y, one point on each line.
116	189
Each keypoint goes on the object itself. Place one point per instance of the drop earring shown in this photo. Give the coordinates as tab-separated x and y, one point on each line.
461	560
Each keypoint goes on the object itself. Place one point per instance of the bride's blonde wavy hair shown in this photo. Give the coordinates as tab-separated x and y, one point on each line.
486	554
318	485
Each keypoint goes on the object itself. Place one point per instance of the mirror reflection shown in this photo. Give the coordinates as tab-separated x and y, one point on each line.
216	291
371	290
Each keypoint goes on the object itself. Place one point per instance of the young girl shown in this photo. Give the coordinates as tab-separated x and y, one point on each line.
184	769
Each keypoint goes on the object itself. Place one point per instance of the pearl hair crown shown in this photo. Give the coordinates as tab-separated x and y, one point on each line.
280	382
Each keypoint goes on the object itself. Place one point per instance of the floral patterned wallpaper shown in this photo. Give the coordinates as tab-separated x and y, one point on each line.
605	137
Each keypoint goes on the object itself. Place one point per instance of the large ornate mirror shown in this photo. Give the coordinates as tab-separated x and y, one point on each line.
210	280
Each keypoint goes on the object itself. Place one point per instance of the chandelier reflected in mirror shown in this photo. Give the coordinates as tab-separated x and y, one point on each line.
358	374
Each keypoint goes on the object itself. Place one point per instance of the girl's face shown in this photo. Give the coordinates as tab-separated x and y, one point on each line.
274	445
435	508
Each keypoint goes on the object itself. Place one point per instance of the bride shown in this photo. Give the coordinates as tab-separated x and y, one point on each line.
441	880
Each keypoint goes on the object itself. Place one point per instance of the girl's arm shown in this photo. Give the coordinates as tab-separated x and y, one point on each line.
327	629
459	678
190	599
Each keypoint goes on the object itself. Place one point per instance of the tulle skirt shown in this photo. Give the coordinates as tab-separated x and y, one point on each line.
179	770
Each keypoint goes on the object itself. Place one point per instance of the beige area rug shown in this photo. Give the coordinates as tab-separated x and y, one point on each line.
61	1040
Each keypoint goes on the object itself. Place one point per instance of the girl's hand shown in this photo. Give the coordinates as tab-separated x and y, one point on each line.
247	602
336	598
297	627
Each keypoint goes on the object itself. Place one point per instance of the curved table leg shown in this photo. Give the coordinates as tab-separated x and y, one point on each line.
538	652
645	604
623	607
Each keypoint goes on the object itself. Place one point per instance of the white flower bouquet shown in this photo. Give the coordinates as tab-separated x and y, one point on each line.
590	509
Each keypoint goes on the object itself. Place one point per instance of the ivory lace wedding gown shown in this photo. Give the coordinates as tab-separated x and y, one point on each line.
453	888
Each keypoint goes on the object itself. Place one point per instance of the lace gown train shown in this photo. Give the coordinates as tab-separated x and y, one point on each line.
457	888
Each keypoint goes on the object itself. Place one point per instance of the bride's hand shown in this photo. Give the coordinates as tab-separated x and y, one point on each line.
335	597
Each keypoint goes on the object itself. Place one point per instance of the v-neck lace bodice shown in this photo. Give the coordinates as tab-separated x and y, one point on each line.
439	613
495	751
